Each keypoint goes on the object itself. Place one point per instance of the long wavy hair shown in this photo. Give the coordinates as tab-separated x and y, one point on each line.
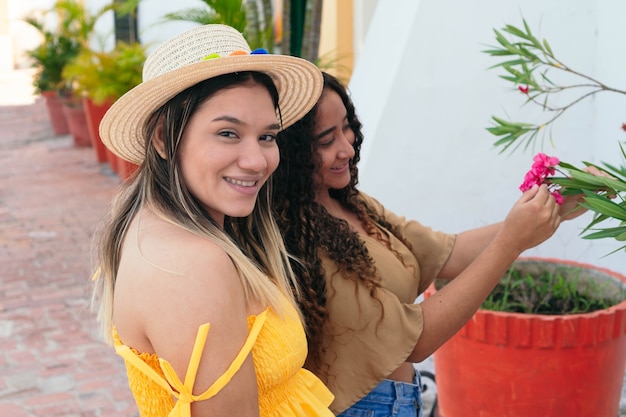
253	243
309	230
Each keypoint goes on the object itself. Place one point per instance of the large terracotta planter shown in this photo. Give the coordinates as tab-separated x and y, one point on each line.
94	114
55	112
77	123
519	365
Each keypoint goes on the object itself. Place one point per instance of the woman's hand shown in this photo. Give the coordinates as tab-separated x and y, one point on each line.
532	220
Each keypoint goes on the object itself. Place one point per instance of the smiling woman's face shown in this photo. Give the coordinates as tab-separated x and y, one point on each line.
335	139
229	150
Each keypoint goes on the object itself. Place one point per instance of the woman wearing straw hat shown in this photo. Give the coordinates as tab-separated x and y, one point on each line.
361	267
194	282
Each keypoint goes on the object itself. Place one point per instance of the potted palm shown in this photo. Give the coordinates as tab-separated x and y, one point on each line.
250	17
100	78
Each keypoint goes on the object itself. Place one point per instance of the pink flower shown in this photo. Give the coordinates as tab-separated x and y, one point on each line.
557	196
524	90
543	166
531	178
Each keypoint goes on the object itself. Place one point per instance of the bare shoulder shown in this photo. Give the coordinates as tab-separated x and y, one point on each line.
170	283
171	280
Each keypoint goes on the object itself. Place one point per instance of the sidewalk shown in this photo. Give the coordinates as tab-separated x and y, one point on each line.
52	360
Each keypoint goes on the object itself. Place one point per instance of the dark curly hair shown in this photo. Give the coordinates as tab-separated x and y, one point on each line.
309	230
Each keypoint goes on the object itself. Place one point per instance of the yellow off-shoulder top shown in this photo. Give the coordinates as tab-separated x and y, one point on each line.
279	349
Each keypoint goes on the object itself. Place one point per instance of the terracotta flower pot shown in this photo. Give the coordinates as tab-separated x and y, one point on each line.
113	160
518	365
55	112
126	169
77	123
94	114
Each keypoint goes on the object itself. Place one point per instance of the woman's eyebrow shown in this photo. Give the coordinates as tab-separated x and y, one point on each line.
324	132
234	120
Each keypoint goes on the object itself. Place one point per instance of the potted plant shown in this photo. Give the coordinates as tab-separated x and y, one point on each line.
549	341
49	58
81	24
61	45
100	78
520	360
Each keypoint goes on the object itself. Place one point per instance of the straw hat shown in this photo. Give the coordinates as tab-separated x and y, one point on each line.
197	55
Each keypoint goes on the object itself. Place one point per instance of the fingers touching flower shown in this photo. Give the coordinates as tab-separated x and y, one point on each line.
557	196
530	179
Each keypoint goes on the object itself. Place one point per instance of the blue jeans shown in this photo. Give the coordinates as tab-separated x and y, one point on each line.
390	398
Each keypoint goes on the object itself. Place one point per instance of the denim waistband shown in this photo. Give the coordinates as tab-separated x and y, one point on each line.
396	390
390	398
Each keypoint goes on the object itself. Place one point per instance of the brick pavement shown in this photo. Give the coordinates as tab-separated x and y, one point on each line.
52	194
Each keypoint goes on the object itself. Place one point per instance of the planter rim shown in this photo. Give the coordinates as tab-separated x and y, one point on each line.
552	317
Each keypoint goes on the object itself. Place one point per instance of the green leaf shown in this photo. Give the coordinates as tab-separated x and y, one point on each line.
587	178
618	233
612	169
568	166
573	184
497	52
526	53
509	78
546	46
519	61
604	206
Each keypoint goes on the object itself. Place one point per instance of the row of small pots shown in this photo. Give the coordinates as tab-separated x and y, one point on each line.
81	120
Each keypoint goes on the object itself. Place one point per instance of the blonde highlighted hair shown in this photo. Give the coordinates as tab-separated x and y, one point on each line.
253	243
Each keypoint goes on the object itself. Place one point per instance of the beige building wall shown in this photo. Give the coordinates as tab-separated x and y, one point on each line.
336	38
345	24
6	50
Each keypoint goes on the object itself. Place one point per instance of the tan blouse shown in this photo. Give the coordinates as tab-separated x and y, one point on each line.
364	344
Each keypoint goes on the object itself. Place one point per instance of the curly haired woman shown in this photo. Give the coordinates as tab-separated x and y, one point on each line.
361	267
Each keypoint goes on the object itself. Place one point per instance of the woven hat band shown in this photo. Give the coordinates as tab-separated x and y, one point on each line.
192	47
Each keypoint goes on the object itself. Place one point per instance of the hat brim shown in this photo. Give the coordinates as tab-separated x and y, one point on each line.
122	130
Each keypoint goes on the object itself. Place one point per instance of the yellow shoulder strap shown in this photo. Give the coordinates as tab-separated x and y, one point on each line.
183	391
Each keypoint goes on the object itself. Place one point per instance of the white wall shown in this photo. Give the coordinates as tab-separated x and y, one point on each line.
21	35
363	15
423	91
